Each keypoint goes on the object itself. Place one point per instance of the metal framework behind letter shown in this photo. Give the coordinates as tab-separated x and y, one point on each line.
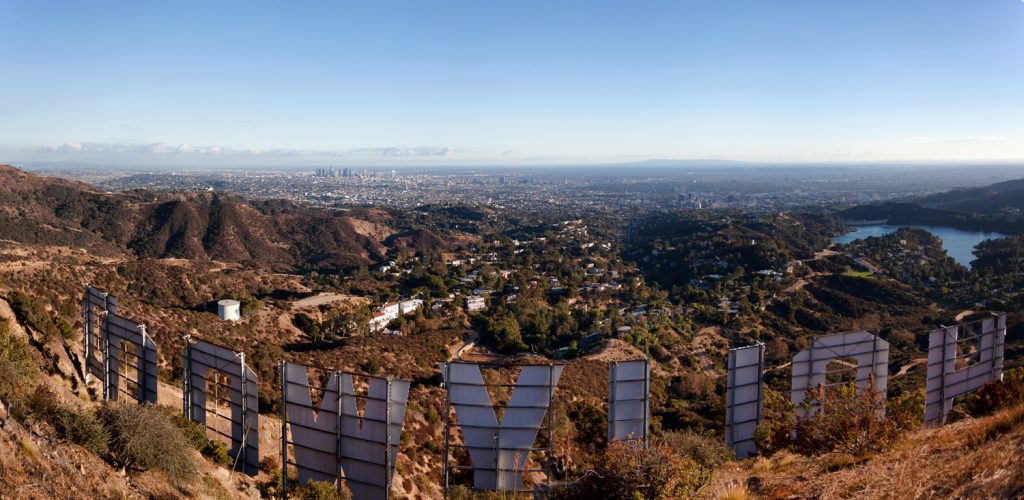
743	397
628	399
369	443
810	366
92	340
945	380
337	440
118	333
200	359
494	448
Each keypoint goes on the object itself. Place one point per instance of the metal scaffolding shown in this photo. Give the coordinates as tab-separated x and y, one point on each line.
127	346
337	443
810	366
744	396
629	411
203	362
499	451
95	305
961	359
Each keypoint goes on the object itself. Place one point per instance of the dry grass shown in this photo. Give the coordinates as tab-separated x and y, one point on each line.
732	491
977	458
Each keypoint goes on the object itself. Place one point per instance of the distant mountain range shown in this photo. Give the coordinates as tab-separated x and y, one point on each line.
274	234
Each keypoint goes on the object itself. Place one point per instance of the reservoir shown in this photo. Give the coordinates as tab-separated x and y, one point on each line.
958	243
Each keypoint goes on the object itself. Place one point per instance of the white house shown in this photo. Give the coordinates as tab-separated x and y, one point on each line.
391	310
475	303
409	306
378	321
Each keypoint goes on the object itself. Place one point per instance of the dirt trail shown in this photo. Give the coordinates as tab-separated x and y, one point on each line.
325	298
907	367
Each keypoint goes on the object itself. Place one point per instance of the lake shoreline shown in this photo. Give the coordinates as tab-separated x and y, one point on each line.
958	243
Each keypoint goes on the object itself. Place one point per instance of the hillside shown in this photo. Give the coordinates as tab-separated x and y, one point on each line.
973	458
996	207
203	226
680	288
984	200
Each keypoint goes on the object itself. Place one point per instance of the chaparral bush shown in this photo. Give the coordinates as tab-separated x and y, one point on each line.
142	437
627	470
994	396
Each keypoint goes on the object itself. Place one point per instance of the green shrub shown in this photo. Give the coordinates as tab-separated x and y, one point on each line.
213	489
32	312
628	470
591	423
79	426
43	402
214	450
142	437
774	431
322	490
218	453
431	415
995	396
906	411
18	371
271	488
84	429
846	422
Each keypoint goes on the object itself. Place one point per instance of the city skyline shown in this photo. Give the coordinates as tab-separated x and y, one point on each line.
530	83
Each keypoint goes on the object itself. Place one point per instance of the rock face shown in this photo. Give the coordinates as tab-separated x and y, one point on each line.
7	314
281	236
55	352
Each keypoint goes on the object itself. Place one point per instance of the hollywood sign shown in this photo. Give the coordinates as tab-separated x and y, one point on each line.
961	359
343	427
340	426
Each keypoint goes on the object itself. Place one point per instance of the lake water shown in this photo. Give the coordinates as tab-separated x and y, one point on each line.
958	243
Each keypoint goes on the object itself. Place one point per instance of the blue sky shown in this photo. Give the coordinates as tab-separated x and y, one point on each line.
390	82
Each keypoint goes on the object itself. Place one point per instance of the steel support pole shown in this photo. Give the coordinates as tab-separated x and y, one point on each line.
647	392
942	377
142	380
284	430
551	445
387	449
337	423
106	368
730	403
243	449
499	478
760	381
873	377
447	420
612	421
87	335
186	380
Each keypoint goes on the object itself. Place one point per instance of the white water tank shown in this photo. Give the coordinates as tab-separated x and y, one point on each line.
229	310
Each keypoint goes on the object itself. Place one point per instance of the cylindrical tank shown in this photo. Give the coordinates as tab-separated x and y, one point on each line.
229	310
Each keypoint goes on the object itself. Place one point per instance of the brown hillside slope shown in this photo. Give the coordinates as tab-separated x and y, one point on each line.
198	226
974	458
